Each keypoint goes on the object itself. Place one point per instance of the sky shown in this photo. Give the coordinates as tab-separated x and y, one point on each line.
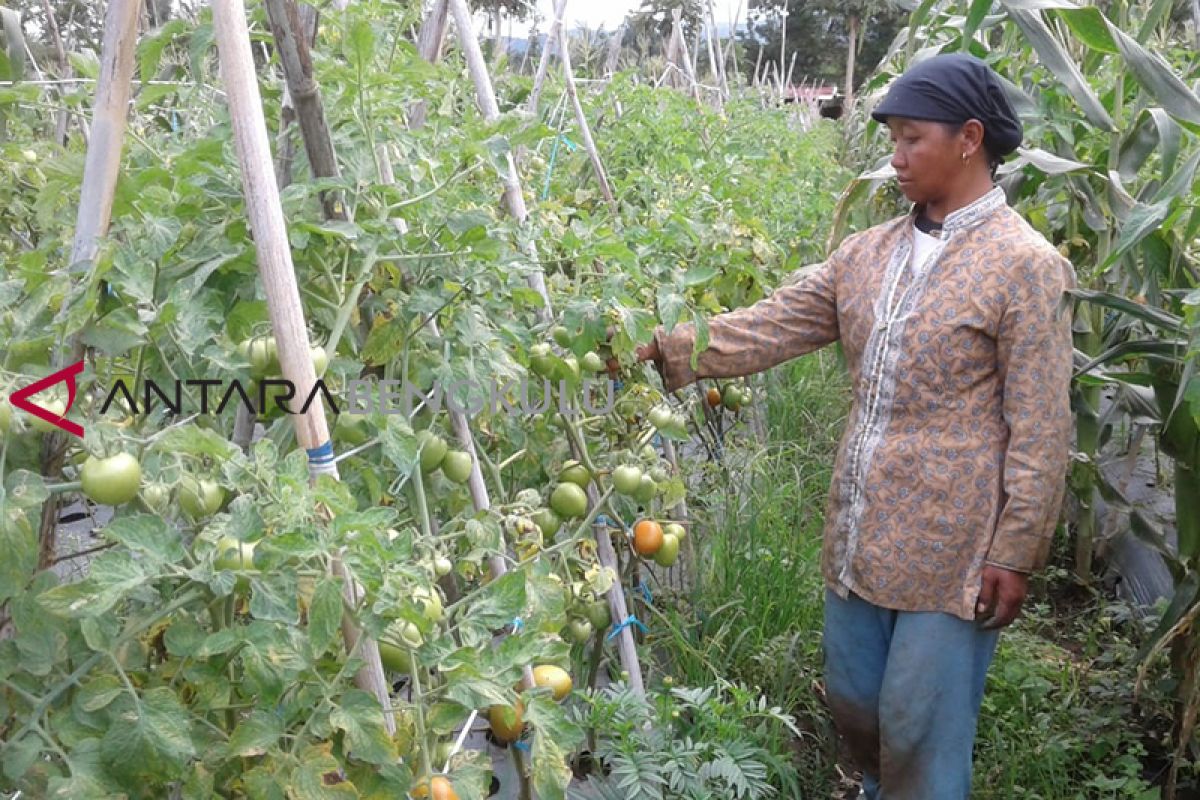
609	13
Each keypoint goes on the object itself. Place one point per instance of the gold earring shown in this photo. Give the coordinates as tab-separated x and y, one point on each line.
965	157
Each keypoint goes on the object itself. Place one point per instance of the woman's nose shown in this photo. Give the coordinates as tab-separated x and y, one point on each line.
897	159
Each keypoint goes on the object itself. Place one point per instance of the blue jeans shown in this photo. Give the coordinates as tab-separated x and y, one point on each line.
904	688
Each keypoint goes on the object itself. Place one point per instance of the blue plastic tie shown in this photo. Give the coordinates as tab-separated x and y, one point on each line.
656	441
518	624
321	454
550	170
646	593
604	519
522	746
630	620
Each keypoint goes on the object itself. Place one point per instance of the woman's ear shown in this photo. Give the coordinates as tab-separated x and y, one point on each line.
972	137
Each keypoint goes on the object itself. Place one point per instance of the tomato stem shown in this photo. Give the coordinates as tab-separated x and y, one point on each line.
419	707
58	488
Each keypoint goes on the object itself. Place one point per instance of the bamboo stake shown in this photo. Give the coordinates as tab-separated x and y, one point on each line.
103	160
283	295
612	57
429	43
714	63
683	53
292	46
560	8
585	130
733	26
515	203
100	169
787	86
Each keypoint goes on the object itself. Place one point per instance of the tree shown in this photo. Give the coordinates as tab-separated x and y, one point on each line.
652	22
820	33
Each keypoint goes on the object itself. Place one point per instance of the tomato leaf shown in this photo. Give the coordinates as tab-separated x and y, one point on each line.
273	597
360	716
324	615
150	740
19	545
147	534
255	735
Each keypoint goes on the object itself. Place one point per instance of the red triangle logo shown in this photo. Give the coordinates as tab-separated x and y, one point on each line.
66	375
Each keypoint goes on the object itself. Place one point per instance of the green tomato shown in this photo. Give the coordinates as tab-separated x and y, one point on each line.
433	450
659	475
262	354
320	359
457	466
156	498
541	361
547	520
430	602
626	479
676	530
599	614
592	362
649	454
351	429
56	406
578	630
645	490
396	644
576	473
731	398
235	555
569	501
111	481
442	566
562	336
669	551
569	371
660	416
198	497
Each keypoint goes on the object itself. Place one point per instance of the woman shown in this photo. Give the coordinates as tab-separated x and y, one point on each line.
950	474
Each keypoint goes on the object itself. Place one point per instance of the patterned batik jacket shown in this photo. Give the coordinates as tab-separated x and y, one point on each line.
955	453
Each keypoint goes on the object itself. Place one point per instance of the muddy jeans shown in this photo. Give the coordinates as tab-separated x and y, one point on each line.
905	688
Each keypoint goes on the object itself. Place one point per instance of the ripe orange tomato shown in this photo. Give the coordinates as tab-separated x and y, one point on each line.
442	789
507	722
714	397
647	537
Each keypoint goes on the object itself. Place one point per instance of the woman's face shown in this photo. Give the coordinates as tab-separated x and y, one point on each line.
927	158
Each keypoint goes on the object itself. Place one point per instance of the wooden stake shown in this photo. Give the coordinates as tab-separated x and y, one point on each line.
560	8
683	53
585	130
291	43
103	160
100	169
429	43
612	57
283	295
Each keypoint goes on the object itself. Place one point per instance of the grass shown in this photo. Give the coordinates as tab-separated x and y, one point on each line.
1058	721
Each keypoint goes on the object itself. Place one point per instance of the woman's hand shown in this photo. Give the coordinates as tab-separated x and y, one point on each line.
1000	596
650	352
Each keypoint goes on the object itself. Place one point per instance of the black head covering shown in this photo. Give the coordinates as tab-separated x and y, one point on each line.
954	88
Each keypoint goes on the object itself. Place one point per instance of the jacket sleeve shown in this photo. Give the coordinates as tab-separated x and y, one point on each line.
797	318
1035	358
